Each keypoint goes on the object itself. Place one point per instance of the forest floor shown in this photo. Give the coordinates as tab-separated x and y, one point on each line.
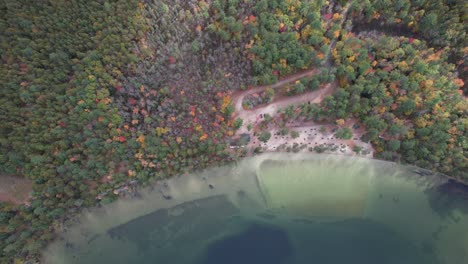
15	189
309	135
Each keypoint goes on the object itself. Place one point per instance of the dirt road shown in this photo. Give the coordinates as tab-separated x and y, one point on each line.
252	116
238	97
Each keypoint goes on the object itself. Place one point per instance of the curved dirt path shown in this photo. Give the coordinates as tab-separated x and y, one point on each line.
238	98
252	116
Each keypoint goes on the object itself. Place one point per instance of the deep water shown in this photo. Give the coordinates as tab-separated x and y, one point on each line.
278	209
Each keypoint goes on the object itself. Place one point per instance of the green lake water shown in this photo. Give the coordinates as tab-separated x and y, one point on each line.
279	208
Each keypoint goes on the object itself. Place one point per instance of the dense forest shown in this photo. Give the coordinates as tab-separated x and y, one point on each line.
406	96
441	23
98	95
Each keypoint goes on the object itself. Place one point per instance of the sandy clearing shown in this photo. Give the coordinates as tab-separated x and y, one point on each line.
15	189
309	137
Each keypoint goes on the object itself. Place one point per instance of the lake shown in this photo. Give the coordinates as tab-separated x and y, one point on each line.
279	208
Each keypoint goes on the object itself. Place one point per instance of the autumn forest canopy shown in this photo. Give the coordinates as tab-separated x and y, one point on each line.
97	95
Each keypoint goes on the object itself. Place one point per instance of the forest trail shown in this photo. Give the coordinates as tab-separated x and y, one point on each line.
252	116
238	98
344	14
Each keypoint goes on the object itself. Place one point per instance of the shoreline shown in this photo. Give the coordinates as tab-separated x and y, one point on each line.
422	172
239	177
89	230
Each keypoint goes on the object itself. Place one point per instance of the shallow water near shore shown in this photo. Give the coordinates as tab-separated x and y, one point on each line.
279	208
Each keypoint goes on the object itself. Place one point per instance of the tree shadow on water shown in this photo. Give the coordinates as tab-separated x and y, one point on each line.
447	197
257	244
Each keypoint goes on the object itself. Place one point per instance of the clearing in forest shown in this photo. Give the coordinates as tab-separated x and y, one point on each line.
14	189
